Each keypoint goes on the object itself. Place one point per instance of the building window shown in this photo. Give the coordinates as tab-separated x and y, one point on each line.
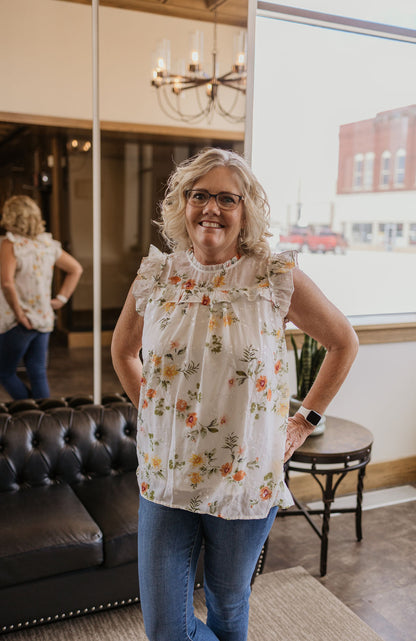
358	171
400	168
391	235
385	169
362	233
368	170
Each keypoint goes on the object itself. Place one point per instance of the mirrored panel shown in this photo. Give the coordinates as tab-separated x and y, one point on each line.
46	141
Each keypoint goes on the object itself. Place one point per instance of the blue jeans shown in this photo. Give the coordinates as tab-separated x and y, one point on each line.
169	542
30	346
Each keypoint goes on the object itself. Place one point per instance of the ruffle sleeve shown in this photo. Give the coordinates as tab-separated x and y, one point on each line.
148	276
24	246
280	274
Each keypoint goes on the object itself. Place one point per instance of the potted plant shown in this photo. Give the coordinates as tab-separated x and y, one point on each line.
308	362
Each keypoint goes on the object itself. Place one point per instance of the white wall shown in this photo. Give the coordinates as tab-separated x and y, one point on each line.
46	60
380	394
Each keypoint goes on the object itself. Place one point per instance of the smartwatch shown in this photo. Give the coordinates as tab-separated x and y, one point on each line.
311	416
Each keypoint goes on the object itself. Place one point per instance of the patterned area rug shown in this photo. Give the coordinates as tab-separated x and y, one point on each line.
288	605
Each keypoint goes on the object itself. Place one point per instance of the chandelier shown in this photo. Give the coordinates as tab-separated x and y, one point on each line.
210	88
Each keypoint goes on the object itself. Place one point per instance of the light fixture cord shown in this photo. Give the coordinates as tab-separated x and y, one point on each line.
214	50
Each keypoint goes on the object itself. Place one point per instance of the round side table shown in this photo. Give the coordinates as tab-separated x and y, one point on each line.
343	447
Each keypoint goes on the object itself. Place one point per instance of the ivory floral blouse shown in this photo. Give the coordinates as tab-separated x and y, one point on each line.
214	397
35	259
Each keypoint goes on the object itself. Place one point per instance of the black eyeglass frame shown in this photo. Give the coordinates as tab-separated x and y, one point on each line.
205	191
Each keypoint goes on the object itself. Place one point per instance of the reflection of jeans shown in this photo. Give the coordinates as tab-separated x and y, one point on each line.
31	346
169	542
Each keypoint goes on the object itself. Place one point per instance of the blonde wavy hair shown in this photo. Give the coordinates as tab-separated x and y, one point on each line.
253	236
21	215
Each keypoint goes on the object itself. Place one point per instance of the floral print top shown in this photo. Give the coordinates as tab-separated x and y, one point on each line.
35	259
214	397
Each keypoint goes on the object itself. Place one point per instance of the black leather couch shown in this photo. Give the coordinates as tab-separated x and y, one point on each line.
68	509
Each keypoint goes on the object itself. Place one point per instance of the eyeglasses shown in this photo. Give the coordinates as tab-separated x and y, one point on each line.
224	199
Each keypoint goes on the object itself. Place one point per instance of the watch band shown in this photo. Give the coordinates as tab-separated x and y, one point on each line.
311	416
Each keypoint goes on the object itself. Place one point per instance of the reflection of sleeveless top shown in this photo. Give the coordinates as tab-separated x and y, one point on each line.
35	259
214	398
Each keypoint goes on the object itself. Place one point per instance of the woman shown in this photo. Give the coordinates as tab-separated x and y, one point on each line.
27	258
213	427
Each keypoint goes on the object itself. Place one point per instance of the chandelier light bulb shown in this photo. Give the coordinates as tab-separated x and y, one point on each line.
196	51
162	57
177	86
240	52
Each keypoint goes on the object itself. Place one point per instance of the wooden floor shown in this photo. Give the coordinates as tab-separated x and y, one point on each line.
376	578
70	372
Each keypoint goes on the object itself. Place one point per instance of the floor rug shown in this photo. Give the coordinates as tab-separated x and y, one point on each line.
288	605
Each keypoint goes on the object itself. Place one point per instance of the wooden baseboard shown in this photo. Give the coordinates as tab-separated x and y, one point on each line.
378	476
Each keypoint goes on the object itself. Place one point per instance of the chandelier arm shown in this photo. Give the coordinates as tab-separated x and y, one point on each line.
190	83
237	76
176	114
209	104
227	114
233	105
231	86
201	84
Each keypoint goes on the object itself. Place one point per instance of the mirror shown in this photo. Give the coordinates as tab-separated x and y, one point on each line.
45	143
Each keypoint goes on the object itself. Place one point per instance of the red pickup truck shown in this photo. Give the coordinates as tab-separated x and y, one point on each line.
306	239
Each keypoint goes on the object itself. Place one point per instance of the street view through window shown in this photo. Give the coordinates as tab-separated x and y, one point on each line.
334	144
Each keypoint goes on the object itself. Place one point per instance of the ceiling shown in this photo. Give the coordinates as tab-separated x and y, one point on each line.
231	12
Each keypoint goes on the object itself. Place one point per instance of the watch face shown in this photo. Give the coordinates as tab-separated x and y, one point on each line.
313	417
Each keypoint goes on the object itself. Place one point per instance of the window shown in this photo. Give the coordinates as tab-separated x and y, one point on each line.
358	170
368	170
400	167
362	233
324	146
391	235
385	169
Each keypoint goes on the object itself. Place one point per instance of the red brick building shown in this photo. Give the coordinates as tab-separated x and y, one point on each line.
378	154
376	185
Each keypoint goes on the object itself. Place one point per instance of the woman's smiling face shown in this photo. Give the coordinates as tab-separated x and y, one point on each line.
214	231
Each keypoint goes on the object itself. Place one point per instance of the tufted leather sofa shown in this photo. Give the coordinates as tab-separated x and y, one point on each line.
68	512
68	509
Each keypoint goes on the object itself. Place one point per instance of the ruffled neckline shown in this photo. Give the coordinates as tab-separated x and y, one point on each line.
211	268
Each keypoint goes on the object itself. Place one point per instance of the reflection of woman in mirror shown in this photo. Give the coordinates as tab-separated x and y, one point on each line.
27	258
212	395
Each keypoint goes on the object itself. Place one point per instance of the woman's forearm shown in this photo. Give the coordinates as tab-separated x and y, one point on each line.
333	372
125	349
315	315
10	294
129	372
